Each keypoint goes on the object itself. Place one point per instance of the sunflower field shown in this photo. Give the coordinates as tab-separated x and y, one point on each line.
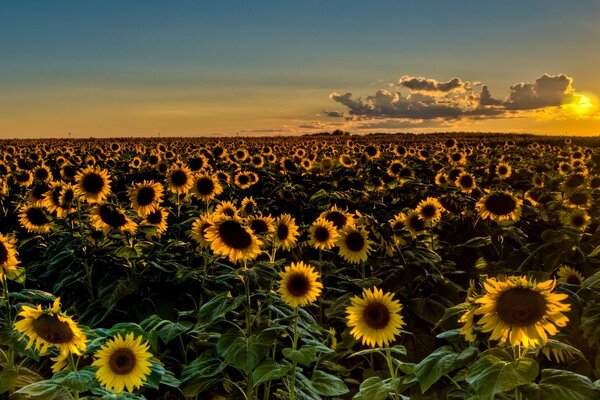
316	267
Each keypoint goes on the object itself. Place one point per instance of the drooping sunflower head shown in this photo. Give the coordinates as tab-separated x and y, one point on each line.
569	275
354	244
93	185
229	237
158	218
107	217
520	311
299	285
286	232
145	197
414	223
248	206
198	231
261	225
398	225
8	256
50	327
500	206
322	234
123	363
375	317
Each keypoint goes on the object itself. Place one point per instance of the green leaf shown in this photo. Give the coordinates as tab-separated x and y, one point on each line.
18	275
440	363
305	355
557	384
328	385
490	375
245	353
45	390
398	349
477	242
269	370
372	388
80	381
8	379
593	281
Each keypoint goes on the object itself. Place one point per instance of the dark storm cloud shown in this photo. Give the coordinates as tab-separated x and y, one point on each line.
430	85
429	99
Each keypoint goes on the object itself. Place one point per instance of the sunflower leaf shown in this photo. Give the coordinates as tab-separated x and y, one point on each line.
559	384
441	362
490	375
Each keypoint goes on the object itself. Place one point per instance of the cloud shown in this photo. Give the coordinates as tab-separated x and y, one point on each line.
431	85
334	114
547	91
456	99
399	124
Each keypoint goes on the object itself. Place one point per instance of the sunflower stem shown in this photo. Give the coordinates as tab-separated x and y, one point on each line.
321	297
390	363
294	363
10	356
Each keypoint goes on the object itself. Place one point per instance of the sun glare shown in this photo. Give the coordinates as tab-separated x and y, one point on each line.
585	104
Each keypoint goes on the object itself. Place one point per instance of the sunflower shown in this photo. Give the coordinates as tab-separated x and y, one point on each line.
441	178
157	218
179	179
430	210
226	208
354	244
34	219
223	176
123	363
503	170
466	182
339	218
67	201
228	237
578	199
145	197
322	234
206	187
42	173
23	178
106	217
499	206
37	193
575	218
243	179
347	161
398	224
569	275
50	327
248	206
93	185
574	182
286	232
375	318
520	311
414	223
261	225
8	256
198	232
299	284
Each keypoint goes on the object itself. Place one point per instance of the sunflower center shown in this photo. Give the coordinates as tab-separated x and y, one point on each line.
52	330
395	168
36	216
145	196
578	220
243	179
520	306
289	165
376	315
205	186
337	218
575	181
3	253
24	177
249	208
234	235
259	226
92	183
416	223
500	204
355	241
321	234
578	199
282	231
428	211
572	279
154	217
298	285
466	181
41	173
122	361
179	178
502	170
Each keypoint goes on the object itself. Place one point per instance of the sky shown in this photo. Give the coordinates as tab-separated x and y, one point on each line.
184	68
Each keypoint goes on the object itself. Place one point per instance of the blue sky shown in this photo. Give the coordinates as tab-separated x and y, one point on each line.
115	67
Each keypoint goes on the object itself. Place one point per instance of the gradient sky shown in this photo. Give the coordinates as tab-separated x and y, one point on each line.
116	68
